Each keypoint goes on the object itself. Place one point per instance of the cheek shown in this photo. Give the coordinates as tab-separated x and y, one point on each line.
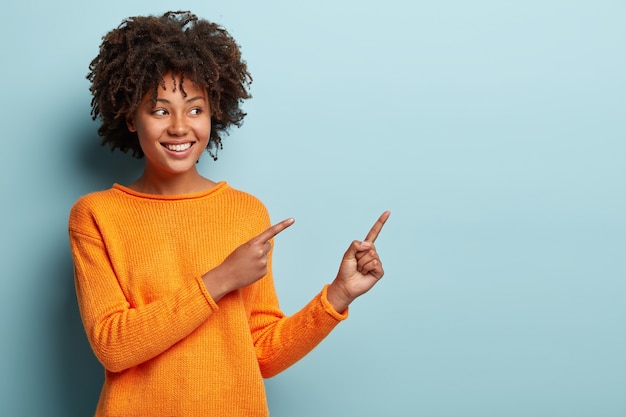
147	139
204	131
147	131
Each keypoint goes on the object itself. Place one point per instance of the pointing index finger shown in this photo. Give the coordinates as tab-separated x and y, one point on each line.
275	229
378	226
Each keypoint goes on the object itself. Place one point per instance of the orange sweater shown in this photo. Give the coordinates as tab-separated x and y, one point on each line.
167	348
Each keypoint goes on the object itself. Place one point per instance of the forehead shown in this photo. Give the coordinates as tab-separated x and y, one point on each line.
169	88
179	84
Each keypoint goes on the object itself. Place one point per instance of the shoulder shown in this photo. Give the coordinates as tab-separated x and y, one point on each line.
92	201
243	197
85	209
246	205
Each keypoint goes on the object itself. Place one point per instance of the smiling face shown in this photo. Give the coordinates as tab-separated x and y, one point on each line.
174	131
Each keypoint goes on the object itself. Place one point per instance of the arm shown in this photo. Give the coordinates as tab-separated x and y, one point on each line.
120	334
281	341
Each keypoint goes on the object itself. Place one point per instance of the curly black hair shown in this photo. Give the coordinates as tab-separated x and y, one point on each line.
134	58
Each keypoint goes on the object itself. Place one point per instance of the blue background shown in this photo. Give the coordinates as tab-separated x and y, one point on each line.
493	131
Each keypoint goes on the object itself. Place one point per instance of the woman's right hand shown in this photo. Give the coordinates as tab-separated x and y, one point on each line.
245	265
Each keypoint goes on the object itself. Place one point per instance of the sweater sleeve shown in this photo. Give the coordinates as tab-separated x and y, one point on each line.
122	336
280	340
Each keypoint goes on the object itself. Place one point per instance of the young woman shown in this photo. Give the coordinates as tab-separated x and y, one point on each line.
173	272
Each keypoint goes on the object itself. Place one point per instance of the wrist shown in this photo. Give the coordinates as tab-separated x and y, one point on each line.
215	284
337	297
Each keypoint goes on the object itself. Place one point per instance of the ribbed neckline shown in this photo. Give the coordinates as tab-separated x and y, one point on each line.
218	187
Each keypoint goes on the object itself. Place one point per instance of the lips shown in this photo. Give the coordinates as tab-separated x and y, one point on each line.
177	147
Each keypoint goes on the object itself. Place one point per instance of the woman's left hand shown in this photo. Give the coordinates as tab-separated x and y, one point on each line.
359	271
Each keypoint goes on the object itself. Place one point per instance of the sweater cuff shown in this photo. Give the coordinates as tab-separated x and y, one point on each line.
328	306
206	294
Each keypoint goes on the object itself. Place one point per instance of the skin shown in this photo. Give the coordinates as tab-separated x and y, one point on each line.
185	121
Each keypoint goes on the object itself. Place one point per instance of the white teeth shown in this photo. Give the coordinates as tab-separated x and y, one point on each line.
179	147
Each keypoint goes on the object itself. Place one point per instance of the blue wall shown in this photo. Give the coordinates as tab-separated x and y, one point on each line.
494	132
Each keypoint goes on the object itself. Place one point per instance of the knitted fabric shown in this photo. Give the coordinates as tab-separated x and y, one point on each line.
167	347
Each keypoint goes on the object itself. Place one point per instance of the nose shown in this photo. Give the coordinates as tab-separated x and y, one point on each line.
178	125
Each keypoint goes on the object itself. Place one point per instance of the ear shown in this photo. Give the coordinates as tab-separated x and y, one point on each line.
130	123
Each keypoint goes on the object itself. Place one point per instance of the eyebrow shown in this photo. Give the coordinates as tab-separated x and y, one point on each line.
191	100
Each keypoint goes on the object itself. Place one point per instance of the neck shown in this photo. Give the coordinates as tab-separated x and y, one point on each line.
176	184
